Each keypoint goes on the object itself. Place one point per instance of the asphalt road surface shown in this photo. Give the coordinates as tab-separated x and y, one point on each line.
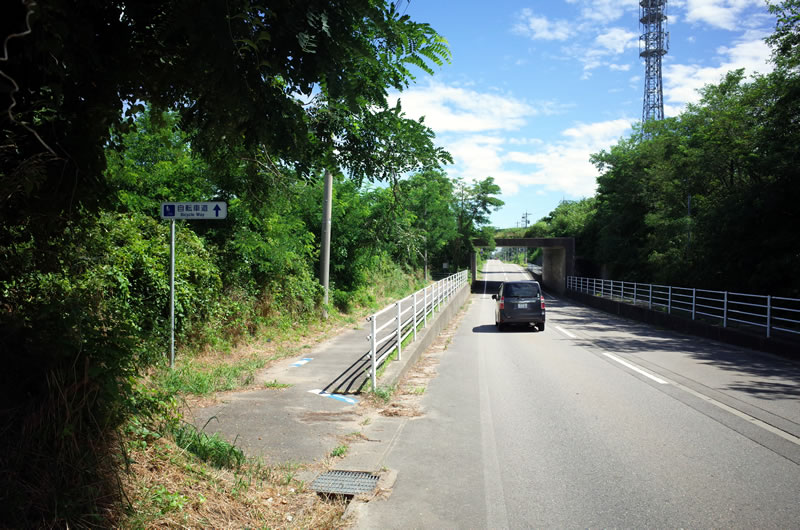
596	422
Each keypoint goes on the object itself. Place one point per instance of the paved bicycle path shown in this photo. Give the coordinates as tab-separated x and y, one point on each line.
303	424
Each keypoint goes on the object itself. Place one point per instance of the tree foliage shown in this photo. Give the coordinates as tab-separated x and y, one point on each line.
260	98
304	82
474	203
705	198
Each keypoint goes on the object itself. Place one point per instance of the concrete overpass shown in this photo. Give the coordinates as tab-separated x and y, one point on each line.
558	257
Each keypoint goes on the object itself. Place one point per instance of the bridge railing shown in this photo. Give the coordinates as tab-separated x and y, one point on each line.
772	314
391	326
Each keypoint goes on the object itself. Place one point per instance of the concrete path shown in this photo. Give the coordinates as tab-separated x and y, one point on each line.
303	423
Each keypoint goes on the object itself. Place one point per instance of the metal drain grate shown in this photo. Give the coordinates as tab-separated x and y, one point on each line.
345	482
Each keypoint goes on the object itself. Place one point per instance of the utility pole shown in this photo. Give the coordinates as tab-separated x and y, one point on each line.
325	258
526	218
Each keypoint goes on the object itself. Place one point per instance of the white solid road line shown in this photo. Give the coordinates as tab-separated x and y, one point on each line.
567	333
620	361
736	412
635	368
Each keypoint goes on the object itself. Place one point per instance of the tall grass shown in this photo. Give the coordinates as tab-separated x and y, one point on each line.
209	448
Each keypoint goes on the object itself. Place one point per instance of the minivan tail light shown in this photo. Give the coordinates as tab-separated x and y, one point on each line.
502	303
543	302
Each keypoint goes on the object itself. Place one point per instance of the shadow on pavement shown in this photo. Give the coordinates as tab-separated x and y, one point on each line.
643	340
491	328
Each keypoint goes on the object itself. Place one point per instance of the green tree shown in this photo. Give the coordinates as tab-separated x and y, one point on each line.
264	94
473	205
786	37
428	196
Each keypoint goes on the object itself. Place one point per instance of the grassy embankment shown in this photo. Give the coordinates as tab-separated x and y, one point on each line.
176	475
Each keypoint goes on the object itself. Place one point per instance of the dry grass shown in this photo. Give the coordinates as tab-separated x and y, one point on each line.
406	399
169	488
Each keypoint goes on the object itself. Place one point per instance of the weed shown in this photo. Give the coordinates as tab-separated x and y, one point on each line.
384	393
275	384
200	380
212	449
167	501
339	451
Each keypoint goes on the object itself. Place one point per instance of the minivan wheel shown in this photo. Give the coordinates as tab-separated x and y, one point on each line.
540	326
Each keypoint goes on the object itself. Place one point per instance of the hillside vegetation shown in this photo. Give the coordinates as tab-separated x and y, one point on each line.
704	199
113	108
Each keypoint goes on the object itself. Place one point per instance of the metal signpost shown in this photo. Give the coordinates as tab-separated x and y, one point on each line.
192	211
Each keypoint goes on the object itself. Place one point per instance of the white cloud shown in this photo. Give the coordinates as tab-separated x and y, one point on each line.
617	40
541	28
525	141
456	109
564	165
561	166
605	11
479	129
723	14
607	44
682	81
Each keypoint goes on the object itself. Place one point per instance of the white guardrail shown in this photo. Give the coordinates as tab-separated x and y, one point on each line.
391	325
773	313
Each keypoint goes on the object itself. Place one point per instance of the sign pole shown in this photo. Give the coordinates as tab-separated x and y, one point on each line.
325	258
172	293
195	211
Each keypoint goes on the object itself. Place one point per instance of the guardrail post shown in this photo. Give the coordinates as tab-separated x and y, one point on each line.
415	316
694	302
650	297
634	293
669	300
425	307
602	288
399	330
612	290
373	353
725	311
769	315
622	292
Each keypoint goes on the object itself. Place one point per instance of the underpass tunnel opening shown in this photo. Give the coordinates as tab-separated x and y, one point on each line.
551	266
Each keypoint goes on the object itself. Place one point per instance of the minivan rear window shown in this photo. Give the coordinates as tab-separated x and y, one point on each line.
521	290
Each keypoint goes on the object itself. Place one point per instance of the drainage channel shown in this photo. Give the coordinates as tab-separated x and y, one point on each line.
345	482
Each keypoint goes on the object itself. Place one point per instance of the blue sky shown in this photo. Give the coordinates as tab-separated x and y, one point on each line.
534	88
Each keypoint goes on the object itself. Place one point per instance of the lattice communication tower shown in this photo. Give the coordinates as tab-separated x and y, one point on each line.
653	45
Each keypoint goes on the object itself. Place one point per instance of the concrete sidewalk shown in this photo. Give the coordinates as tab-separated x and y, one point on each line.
301	424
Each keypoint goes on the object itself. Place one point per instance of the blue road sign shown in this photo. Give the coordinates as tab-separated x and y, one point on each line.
194	210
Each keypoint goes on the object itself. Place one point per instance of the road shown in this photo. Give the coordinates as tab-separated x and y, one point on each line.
596	422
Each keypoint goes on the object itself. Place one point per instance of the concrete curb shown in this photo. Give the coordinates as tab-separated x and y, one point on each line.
425	337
